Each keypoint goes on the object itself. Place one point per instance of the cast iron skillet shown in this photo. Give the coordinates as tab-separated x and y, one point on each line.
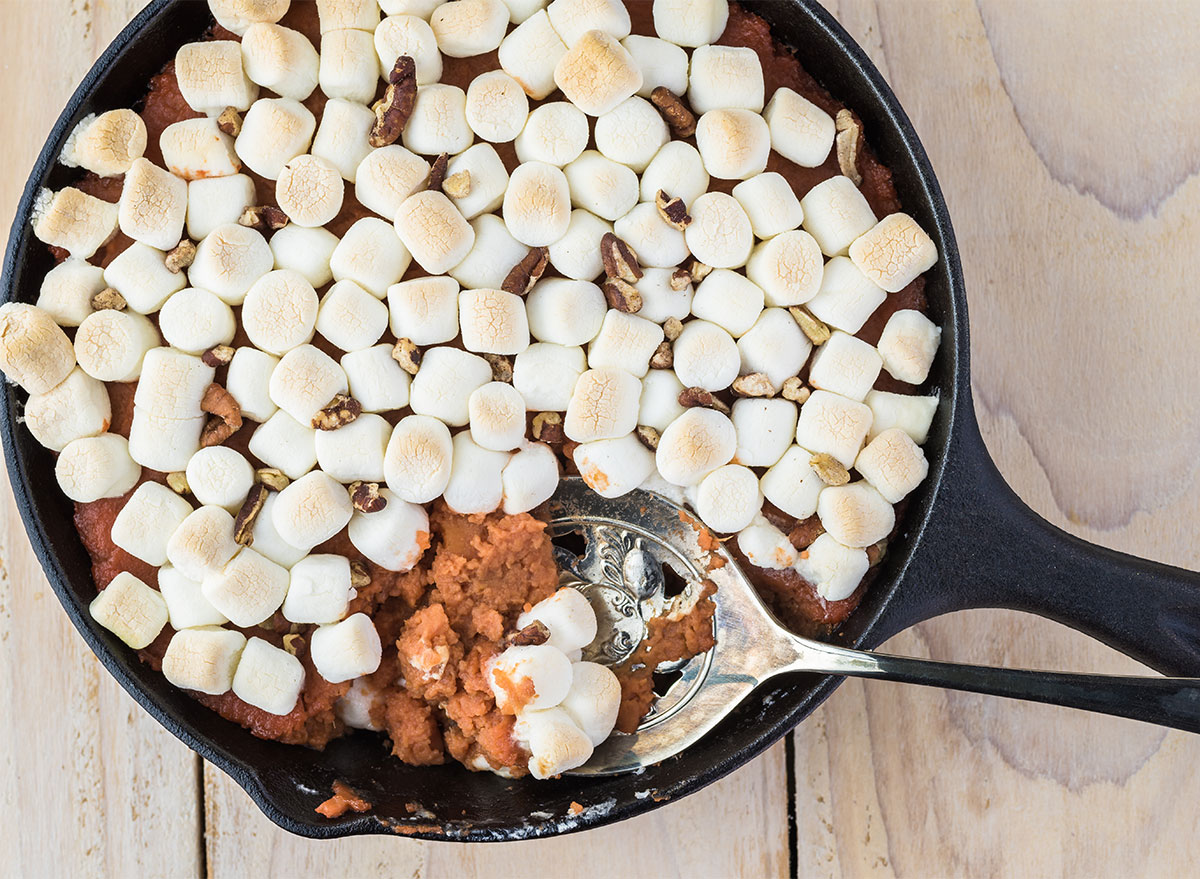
967	540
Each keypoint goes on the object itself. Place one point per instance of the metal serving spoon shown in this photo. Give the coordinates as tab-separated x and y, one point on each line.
615	552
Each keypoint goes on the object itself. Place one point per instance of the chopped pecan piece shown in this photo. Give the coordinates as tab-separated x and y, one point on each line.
527	272
690	398
849	138
680	279
619	259
458	184
228	416
672	327
408	355
699	271
816	331
649	436
877	552
622	296
218	356
230	121
830	469
679	118
365	497
548	427
181	257
502	368
292	643
673	211
342	410
530	636
107	299
243	525
264	218
794	390
272	478
437	171
663	356
755	384
393	111
178	483
360	575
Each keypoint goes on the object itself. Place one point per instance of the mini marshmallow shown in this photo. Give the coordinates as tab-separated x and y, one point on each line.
34	351
661	301
661	63
893	464
604	405
719	234
240	15
248	590
546	667
318	590
846	298
311	510
833	424
631	133
342	136
545	375
197	148
855	515
248	380
529	478
469	27
835	214
147	521
376	379
153	205
574	18
280	312
765	429
475	484
349	65
497	412
556	743
424	310
346	650
305	381
593	700
625	341
418	459
678	170
371	255
770	203
110	345
434	232
489	179
284	443
577	254
725	77
95	467
835	570
310	191
130	609
172	383
75	221
354	452
496	107
656	242
268	677
908	345
308	252
659	405
409	35
690	22
555	133
910	413
537	204
335	15
519	11
530	54
492	257
211	77
601	186
354	708
67	290
775	346
788	267
106	144
765	546
275	131
445	382
386	177
694	445
614	467
792	485
195	320
438	123
351	318
163	443
219	476
280	59
268	542
216	201
596	73
139	273
706	356
203	659
76	407
187	608
800	130
845	365
202	543
728	499
229	260
569	617
734	144
729	300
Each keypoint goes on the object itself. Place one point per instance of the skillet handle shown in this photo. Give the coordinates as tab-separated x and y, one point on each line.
983	547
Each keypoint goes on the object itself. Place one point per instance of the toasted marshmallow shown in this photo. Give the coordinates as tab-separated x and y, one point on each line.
372	256
574	18
661	63
788	267
349	65
308	252
280	59
146	522
435	233
311	510
341	138
106	144
728	499
593	700
240	15
601	186
770	203
216	201
496	106
469	27
318	590
284	443
546	667
596	73
424	310
376	379
569	617
725	77
519	11
775	346
488	176
202	543
211	77
656	243
153	205
354	452
396	537
268	542
577	254
95	467
565	312
678	170
529	479
187	608
195	149
912	414
855	515
412	36
908	345
475	485
304	382
78	223
833	424
203	659
163	443
280	312
67	290
350	317
846	297
220	476
555	133
346	650
248	589
661	301
172	383
438	123
835	570
537	204
690	22
492	256
310	191
139	273
719	234
275	131
418	459
765	430
34	351
792	485
386	177
835	214
355	707
76	407
893	464
268	677
631	133
195	320
729	300
556	743
800	130
614	467
130	609
445	382
706	356
497	412
530	54
694	445
734	144
248	379
603	406
335	15
765	546
545	375
659	405
229	261
845	365
625	341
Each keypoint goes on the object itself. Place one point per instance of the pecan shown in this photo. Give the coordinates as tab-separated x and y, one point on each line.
272	478
622	296
690	398
502	368
527	272
619	259
342	410
849	138
830	469
437	171
366	498
679	118
681	279
360	575
108	298
672	327
457	185
228	421
699	271
243	525
264	218
393	111
794	390
663	356
755	384
805	531
218	356
292	643
230	121
649	436
178	483
673	211
548	427
181	257
530	636
877	552
816	331
408	355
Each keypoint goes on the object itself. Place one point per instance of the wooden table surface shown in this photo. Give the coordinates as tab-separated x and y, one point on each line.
1065	135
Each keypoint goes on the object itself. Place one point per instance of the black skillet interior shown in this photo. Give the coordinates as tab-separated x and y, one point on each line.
447	802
